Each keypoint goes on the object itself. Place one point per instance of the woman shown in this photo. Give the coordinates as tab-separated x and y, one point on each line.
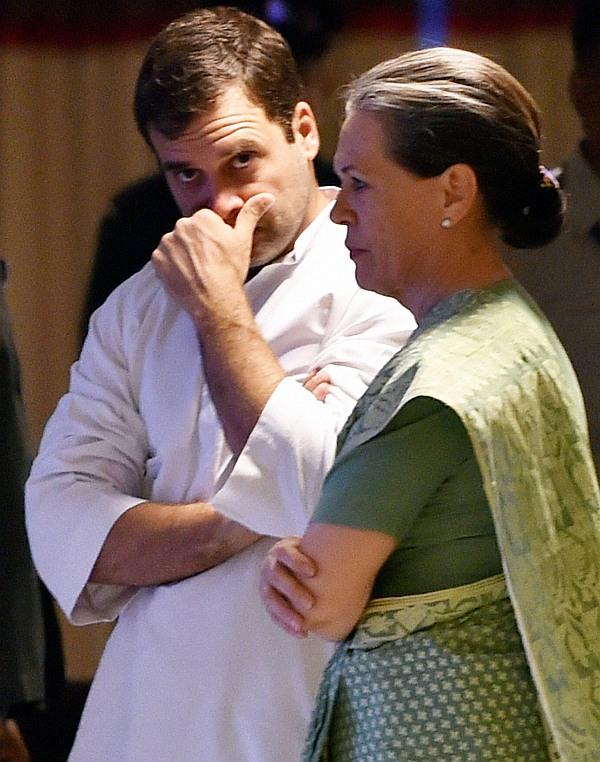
454	550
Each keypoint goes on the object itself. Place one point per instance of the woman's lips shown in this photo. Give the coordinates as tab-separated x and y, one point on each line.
356	251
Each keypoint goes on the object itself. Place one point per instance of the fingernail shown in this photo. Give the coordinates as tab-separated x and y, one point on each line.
305	605
299	629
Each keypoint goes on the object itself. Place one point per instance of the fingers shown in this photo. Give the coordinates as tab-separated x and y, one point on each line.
287	552
282	590
12	745
318	382
251	212
282	613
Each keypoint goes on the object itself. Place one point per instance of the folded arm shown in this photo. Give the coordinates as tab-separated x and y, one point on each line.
155	543
372	499
94	539
322	582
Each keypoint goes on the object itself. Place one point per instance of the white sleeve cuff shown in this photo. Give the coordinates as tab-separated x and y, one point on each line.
276	481
65	546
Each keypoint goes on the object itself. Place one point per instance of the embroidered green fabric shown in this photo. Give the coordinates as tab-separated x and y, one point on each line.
433	676
493	358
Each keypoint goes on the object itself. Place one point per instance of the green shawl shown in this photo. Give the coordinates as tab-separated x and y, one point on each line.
493	358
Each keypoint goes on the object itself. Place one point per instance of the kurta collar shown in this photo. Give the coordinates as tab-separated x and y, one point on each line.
306	239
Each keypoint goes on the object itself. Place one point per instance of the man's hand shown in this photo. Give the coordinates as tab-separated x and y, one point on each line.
319	383
204	256
281	586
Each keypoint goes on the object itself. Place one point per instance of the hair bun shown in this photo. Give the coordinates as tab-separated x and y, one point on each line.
539	220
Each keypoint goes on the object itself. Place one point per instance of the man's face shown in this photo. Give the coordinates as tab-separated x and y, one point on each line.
234	152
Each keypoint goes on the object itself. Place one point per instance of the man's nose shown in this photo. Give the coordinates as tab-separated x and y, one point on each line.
226	203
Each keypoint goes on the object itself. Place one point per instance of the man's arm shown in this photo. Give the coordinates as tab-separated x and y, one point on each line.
156	543
93	539
276	481
203	264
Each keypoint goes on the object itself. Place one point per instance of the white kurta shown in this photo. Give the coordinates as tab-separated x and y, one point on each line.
195	670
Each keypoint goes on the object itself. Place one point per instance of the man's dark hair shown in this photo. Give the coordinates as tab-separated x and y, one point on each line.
194	59
585	31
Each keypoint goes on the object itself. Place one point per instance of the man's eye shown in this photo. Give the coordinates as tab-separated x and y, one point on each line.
242	160
187	175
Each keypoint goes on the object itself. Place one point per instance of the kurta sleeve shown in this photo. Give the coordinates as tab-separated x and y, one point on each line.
89	471
276	482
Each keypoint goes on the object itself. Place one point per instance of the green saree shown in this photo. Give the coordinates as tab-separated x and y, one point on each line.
514	672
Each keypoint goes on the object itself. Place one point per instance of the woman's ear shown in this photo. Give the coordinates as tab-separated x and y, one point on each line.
460	187
306	132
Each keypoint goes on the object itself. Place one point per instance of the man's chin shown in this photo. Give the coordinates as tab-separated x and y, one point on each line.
264	255
260	260
269	246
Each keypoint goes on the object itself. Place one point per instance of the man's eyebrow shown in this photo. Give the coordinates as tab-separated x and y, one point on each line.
174	166
231	149
239	145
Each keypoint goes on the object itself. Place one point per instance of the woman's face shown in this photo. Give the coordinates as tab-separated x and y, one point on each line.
393	216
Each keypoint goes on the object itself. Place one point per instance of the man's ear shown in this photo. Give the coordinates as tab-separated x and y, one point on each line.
306	132
460	188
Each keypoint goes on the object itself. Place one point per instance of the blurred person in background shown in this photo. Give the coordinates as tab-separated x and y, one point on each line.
564	277
38	710
22	641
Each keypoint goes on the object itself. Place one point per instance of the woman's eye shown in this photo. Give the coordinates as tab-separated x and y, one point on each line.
357	184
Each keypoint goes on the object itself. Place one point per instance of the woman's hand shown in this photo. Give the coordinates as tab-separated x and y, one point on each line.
326	591
282	587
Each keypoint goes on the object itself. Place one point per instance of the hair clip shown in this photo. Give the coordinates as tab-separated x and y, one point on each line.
548	178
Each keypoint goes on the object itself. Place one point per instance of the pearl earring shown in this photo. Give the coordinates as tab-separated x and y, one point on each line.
446	223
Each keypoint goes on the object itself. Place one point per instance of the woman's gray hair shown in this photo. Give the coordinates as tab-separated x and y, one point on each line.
443	106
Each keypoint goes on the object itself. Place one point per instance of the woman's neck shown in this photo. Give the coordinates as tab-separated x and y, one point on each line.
472	273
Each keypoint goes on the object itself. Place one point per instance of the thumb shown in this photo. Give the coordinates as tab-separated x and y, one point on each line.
252	211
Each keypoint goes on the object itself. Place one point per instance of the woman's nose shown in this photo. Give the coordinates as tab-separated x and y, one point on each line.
340	213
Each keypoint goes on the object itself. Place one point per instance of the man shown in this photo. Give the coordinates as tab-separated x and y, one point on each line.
142	212
186	413
564	277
